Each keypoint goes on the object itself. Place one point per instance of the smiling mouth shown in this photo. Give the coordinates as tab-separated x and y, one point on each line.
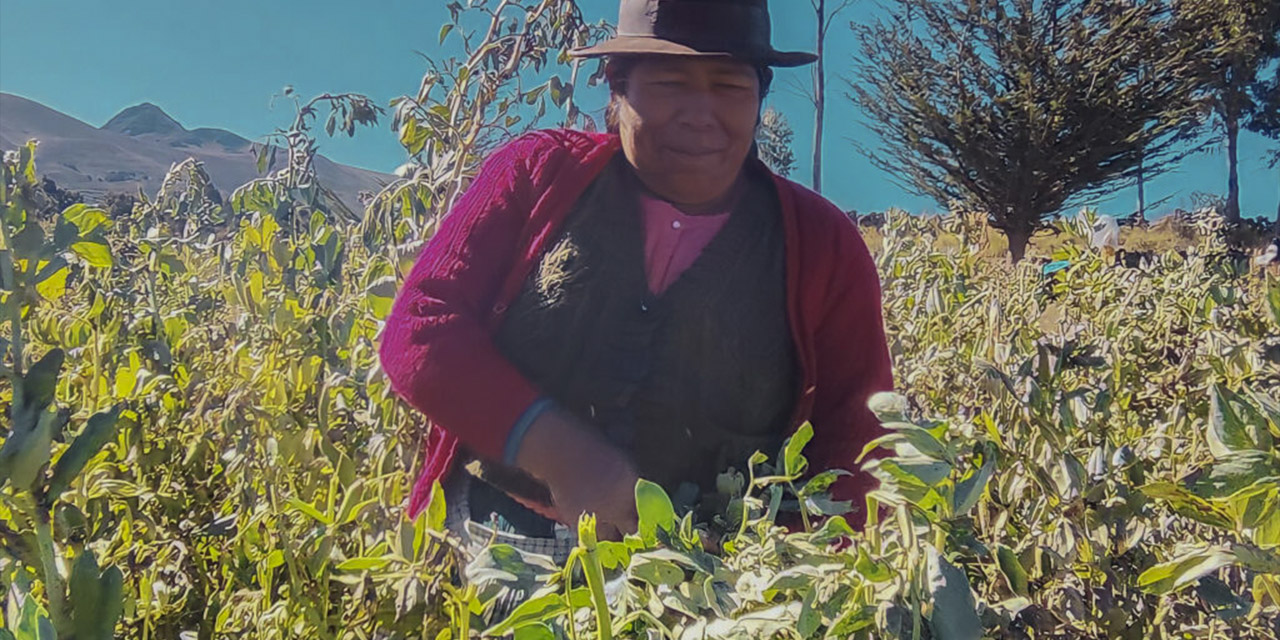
696	153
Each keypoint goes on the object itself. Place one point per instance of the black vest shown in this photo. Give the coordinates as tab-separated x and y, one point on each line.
689	382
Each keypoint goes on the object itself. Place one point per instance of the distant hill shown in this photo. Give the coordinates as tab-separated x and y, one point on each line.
136	148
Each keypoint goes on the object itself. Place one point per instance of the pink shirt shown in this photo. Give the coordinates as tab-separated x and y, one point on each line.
673	240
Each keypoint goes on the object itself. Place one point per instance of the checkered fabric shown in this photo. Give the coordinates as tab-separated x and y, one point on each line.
477	536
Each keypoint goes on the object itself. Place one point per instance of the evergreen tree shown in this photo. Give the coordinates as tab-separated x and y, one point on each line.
1021	108
773	141
1245	37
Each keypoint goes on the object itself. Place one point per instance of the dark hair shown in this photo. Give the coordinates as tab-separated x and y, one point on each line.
619	68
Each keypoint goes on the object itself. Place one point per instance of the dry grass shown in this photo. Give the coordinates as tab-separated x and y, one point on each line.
1161	236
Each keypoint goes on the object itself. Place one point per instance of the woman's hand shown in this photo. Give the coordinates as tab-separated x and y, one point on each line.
584	471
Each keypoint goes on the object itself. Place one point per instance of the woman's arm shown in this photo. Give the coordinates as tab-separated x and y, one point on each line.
852	364
440	356
436	350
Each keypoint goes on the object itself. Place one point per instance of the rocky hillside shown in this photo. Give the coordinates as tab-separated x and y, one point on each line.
136	148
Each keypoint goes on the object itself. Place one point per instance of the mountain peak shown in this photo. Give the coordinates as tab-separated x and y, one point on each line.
144	119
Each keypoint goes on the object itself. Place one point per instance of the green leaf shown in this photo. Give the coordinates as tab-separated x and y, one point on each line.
655	511
27	162
274	559
381	295
1273	301
32	621
834	528
94	252
28	242
530	612
536	631
1224	478
908	440
1255	559
1183	571
1188	504
955	614
613	555
873	570
926	471
437	510
363	564
793	460
821	482
51	279
823	506
1229	432
1014	574
87	219
655	571
309	510
24	454
41	380
810	619
969	489
64	233
353	504
98	431
1069	476
413	137
86	589
264	157
444	31
889	407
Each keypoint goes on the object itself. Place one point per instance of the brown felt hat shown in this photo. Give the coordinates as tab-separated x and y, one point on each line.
737	28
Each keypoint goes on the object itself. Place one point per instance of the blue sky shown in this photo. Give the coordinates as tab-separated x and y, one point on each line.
218	63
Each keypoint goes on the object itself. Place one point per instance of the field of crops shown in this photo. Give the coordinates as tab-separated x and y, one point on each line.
199	444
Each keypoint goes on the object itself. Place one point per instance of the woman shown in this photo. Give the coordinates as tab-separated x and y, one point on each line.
652	302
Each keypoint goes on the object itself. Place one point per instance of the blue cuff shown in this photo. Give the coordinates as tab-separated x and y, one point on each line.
526	420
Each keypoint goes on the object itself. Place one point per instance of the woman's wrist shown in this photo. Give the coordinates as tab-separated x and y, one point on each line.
515	439
541	449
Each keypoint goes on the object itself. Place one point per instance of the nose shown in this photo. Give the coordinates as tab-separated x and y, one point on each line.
698	111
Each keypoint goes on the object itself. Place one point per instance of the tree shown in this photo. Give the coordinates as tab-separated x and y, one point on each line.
824	20
773	141
1265	120
1021	108
1246	34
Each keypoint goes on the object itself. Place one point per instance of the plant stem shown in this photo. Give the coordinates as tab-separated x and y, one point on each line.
574	556
873	524
595	582
54	587
804	515
464	613
15	314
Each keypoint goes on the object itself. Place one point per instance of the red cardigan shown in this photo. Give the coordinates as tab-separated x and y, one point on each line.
437	348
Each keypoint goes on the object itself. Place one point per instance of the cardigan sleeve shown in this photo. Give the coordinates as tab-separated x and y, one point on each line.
436	350
852	364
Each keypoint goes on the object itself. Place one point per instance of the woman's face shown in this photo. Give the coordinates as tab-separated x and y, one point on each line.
687	124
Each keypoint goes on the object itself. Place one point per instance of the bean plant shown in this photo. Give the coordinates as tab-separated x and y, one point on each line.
198	441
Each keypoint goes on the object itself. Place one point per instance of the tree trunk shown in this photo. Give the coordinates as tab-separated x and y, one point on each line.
1278	220
819	97
1232	212
1018	241
1142	195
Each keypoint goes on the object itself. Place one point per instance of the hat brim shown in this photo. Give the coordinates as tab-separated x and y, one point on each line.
623	45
